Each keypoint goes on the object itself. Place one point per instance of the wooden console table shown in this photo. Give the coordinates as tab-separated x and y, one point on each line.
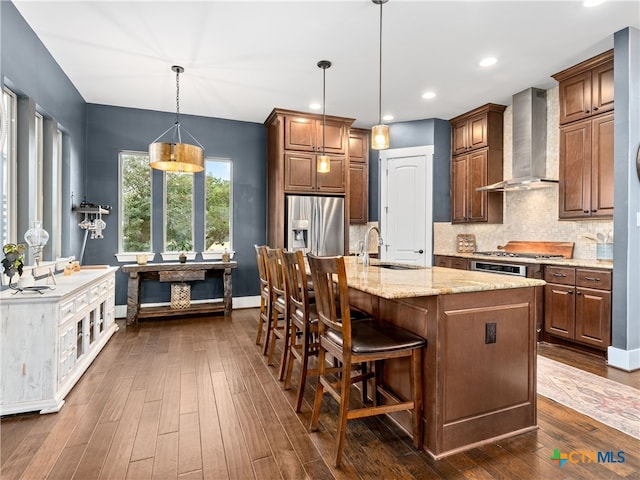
176	272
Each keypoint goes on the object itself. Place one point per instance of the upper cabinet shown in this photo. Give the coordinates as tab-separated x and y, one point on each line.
358	176
294	140
304	133
476	146
586	139
586	89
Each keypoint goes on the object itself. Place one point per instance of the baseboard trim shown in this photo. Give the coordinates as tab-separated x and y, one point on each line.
628	360
238	302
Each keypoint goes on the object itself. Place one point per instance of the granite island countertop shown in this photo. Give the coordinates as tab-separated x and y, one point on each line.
427	281
562	262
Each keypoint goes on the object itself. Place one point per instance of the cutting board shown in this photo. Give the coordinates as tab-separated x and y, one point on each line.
550	248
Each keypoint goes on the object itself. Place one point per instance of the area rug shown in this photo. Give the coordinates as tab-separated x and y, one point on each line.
609	402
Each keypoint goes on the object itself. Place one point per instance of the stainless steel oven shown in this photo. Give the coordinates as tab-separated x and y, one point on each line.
496	267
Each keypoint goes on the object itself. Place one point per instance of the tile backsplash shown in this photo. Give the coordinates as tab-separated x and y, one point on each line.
528	215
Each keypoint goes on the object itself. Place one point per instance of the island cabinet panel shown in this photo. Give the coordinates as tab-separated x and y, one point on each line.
475	391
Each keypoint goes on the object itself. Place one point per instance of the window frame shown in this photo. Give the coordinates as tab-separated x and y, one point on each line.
10	112
216	253
122	255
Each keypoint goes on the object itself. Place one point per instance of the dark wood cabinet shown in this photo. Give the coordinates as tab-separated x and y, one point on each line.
468	172
304	133
476	145
577	305
358	176
586	139
586	168
294	139
586	89
300	175
448	261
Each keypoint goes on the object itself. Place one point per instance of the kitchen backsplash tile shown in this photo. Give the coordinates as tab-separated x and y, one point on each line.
528	215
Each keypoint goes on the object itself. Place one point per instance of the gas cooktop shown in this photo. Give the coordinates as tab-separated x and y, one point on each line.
502	253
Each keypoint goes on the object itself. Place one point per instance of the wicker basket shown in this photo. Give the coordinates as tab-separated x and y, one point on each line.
180	296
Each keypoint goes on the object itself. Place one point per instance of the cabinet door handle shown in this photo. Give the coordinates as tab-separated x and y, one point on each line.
558	274
593	279
586	111
418	251
570	292
595	109
586	211
594	211
578	293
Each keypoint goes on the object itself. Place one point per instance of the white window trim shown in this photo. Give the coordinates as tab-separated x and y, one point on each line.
12	165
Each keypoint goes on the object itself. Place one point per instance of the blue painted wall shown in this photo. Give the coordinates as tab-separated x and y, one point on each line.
113	129
417	133
29	70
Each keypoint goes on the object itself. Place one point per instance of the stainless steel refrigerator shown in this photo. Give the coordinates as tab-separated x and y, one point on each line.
315	224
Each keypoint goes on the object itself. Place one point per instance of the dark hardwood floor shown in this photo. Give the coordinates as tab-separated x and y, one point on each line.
193	398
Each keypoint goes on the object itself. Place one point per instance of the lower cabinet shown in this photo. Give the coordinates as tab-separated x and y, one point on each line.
50	340
451	262
577	305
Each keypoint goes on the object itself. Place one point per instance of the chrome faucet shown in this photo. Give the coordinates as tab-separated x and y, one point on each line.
365	257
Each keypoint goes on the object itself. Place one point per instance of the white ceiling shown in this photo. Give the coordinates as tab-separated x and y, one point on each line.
244	58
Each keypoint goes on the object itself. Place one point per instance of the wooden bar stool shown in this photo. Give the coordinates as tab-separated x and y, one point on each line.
265	295
303	321
279	327
355	343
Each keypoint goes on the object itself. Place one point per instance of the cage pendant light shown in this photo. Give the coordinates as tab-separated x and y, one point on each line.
323	162
380	132
173	155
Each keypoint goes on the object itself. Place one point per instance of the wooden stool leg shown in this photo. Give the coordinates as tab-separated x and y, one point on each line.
267	331
285	349
304	368
260	321
292	347
416	379
319	392
344	410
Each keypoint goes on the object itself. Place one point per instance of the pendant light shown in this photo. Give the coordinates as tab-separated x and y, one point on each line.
175	156
323	162
380	132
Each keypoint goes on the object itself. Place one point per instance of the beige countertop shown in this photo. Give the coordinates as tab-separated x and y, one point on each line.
429	281
564	262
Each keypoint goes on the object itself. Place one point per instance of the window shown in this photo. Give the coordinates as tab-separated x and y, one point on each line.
8	166
178	233
135	203
217	205
39	171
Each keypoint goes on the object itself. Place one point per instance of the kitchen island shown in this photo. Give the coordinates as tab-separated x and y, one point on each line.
479	366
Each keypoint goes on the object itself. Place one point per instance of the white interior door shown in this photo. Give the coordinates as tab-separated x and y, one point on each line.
406	205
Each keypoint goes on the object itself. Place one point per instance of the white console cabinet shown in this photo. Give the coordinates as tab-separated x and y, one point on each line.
48	340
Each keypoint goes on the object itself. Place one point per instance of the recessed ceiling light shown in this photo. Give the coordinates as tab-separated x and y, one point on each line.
428	95
487	62
387	117
315	106
592	3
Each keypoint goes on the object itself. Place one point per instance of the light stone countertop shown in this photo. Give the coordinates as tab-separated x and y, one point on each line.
429	281
562	262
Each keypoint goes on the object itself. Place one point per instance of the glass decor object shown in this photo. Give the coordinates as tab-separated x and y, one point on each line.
36	237
173	155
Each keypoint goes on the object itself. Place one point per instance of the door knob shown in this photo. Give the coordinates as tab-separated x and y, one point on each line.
418	251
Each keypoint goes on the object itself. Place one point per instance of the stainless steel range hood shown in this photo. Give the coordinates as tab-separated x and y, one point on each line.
529	111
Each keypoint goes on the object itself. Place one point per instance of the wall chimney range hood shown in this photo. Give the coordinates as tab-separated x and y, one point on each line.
529	139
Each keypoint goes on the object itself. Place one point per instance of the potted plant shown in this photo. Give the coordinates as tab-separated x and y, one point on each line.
13	261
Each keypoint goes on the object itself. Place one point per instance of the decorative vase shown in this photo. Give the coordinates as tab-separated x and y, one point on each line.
182	258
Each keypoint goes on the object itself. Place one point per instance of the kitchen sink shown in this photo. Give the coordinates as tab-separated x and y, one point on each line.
397	266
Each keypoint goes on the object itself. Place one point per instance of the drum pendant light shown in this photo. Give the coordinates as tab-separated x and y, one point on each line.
380	132
323	162
175	156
